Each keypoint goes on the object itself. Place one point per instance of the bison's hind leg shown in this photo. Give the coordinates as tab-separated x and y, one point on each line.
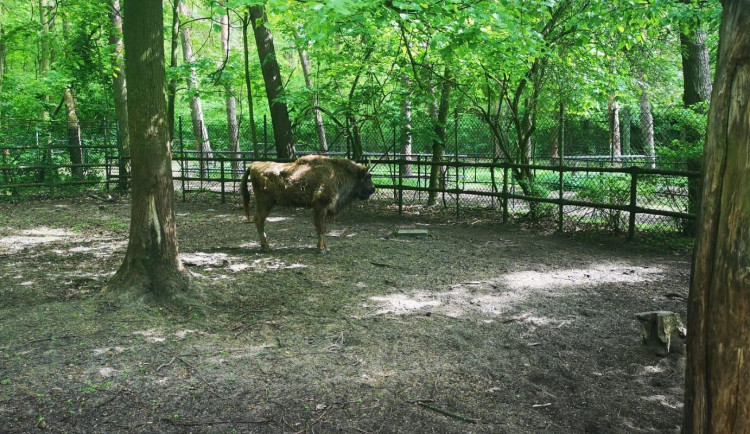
262	210
320	218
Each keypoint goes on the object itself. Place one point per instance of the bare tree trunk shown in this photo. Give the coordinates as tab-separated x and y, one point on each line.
232	126
696	89
440	118
319	127
615	145
119	85
647	125
696	70
717	390
248	85
406	132
625	130
151	266
200	131
45	54
173	55
74	134
282	127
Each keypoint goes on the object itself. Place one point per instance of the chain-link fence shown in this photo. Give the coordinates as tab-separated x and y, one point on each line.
594	185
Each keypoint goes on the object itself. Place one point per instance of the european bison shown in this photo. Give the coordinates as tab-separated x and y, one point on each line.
324	184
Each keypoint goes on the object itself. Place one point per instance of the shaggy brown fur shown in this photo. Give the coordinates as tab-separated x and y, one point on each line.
324	184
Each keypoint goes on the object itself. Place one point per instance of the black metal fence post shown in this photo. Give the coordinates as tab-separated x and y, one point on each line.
633	201
223	198
505	193
401	167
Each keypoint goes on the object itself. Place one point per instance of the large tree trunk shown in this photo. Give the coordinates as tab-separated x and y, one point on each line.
74	134
440	119
232	126
319	127
200	132
248	85
151	265
717	390
120	88
282	127
647	124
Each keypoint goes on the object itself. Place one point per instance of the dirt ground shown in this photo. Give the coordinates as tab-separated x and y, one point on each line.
477	327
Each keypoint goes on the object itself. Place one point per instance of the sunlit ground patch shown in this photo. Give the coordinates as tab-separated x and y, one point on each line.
30	238
507	292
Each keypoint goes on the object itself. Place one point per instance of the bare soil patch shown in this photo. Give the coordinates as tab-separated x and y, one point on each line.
478	327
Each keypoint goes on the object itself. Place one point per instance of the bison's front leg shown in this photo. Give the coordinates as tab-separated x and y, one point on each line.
319	218
262	210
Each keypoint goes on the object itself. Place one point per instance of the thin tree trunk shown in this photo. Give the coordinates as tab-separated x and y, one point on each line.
74	134
44	69
615	144
232	126
119	85
717	390
647	125
319	127
406	138
696	89
625	130
200	132
248	85
440	118
151	266
282	127
696	70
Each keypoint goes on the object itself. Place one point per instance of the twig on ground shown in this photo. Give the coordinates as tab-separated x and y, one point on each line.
215	422
51	338
307	427
164	365
446	412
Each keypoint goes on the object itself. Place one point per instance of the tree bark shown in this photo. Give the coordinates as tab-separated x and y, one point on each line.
45	55
120	88
248	85
151	265
319	127
647	124
200	132
717	390
74	134
440	118
231	103
282	127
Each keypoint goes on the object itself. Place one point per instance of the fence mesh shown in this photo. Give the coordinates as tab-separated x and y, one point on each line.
595	189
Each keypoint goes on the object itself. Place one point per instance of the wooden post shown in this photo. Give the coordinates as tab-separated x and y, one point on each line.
633	201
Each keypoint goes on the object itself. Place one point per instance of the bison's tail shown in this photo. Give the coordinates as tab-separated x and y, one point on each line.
245	193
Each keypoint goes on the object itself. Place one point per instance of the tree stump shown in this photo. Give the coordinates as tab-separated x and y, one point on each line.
659	328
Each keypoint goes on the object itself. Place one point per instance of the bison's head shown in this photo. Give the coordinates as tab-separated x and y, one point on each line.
364	188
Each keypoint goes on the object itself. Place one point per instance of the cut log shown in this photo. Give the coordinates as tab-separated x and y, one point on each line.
659	328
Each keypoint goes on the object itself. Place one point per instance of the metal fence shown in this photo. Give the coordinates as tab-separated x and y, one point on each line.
621	193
